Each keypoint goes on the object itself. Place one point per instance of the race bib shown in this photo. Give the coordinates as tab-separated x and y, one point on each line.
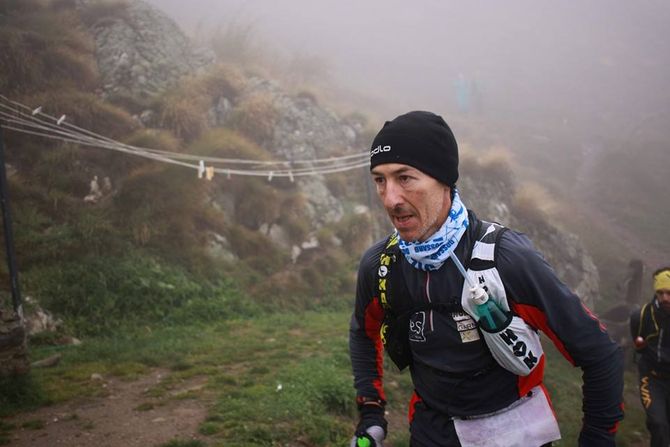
529	423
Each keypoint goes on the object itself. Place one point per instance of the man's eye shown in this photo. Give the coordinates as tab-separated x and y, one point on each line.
378	180
404	178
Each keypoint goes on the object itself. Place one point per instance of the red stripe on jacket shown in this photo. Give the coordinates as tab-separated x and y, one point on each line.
374	315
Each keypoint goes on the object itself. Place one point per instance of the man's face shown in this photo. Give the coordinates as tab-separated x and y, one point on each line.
416	203
663	297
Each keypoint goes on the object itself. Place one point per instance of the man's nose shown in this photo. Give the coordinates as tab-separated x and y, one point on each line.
392	196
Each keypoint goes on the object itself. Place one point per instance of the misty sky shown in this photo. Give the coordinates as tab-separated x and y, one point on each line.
572	55
552	76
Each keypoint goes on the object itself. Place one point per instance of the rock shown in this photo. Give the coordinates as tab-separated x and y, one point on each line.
39	320
13	346
277	234
218	247
47	362
143	52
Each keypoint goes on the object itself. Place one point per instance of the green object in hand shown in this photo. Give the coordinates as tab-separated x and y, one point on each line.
363	441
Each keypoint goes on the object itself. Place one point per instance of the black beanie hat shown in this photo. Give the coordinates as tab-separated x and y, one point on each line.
419	139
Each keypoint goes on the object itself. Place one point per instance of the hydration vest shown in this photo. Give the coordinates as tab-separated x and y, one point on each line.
648	327
395	298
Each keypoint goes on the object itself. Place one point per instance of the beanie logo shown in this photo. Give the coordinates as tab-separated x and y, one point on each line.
380	149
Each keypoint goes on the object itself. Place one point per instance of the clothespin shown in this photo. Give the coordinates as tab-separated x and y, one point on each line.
60	120
290	176
270	176
201	169
228	175
209	173
37	110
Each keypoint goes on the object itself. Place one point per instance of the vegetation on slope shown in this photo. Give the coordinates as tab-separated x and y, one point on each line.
137	258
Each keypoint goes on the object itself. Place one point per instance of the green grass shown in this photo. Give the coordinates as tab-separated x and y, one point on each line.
184	443
5	430
34	424
564	383
277	379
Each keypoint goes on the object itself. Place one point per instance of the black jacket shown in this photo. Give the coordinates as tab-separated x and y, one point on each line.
461	378
653	324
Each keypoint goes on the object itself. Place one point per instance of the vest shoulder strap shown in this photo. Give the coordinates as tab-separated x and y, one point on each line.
484	250
648	325
393	292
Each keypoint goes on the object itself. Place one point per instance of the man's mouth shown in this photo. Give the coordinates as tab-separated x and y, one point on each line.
402	221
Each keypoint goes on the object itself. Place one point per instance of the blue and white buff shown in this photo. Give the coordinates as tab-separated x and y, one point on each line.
432	253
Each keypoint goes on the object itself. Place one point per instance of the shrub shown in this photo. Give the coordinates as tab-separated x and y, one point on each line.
97	293
87	111
249	244
227	143
256	203
185	116
148	139
493	166
185	109
293	216
496	164
39	51
255	117
531	203
21	392
57	169
154	139
221	81
354	231
159	205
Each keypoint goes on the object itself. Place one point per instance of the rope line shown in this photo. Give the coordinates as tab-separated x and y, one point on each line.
21	118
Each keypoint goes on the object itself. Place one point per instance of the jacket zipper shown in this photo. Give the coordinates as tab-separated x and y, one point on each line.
430	313
658	347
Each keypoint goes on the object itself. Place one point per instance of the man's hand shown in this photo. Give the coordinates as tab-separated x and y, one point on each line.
372	437
371	428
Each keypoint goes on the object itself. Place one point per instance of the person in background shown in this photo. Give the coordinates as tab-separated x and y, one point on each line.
650	330
471	384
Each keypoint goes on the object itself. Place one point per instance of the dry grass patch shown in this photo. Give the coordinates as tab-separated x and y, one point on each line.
255	117
533	203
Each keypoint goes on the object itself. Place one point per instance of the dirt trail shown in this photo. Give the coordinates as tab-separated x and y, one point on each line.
115	420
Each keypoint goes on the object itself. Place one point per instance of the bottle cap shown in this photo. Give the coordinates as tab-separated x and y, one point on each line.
478	295
363	441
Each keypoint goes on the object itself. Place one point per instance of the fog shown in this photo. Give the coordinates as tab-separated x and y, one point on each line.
596	61
557	82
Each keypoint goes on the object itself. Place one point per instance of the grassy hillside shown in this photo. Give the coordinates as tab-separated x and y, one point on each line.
133	275
271	380
157	232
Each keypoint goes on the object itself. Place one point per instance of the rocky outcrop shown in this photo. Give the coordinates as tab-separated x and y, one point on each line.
563	250
142	52
305	130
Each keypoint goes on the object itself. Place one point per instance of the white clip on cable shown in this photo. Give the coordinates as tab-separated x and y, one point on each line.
201	168
37	110
60	120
